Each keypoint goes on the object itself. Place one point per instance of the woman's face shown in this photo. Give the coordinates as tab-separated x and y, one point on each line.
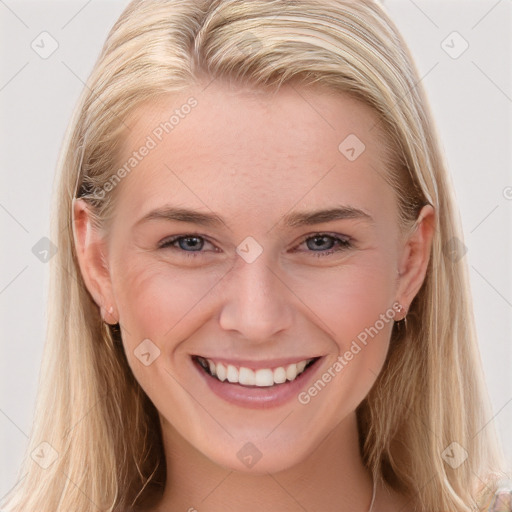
254	274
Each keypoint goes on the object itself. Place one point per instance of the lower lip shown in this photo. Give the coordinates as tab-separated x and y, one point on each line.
256	397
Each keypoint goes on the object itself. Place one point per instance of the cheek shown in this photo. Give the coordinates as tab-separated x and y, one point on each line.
349	299
355	308
165	305
155	298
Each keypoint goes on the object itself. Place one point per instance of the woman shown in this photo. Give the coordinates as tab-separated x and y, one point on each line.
205	351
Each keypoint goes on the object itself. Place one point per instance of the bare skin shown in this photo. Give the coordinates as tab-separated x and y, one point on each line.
253	159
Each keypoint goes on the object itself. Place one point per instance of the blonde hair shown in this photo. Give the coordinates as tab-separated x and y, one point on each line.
430	393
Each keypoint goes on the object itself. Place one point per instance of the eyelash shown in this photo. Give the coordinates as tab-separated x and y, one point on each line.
343	244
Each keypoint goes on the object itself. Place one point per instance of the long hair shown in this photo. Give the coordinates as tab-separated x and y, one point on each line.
98	431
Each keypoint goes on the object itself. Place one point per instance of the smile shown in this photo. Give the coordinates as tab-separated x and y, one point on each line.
261	377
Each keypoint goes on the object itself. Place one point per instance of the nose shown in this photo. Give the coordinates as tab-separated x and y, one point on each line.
257	302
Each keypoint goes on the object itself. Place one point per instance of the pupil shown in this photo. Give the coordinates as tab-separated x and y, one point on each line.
194	244
318	240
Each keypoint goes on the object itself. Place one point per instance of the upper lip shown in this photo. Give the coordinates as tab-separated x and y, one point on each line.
251	363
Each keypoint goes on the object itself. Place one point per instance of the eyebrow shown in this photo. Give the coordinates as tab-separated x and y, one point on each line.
293	220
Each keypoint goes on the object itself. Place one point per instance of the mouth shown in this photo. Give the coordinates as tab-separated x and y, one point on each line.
254	377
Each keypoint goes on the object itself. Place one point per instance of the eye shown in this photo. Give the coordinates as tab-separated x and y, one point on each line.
324	244
190	244
321	244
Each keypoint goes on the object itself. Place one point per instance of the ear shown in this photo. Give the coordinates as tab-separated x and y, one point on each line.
415	256
91	254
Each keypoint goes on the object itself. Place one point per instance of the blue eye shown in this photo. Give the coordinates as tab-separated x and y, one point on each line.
185	242
333	241
192	244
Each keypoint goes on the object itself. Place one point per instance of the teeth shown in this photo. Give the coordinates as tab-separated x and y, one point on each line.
263	377
247	376
220	372
280	375
232	373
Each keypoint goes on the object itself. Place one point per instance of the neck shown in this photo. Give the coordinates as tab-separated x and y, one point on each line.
331	477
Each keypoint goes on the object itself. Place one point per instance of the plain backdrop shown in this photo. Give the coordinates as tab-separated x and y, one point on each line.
463	54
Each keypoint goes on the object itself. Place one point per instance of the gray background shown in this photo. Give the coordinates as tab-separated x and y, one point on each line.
472	102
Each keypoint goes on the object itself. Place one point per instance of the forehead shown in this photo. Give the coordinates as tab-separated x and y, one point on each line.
224	148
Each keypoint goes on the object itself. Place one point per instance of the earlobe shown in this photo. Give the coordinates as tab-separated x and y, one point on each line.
91	259
108	315
416	255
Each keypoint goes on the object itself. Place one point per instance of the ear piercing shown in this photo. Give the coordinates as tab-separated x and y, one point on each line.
401	309
112	320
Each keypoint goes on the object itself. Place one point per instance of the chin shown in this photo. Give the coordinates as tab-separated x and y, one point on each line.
258	457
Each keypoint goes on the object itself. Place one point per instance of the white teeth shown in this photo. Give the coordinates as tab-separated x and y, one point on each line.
263	377
232	373
220	372
280	375
291	371
247	376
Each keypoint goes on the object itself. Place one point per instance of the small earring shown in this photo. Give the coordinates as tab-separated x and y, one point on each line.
400	309
110	311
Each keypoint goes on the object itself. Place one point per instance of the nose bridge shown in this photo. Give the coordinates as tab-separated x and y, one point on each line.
256	301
